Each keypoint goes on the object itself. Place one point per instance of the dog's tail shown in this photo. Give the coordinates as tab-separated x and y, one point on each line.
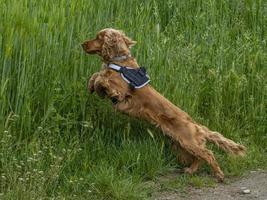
224	143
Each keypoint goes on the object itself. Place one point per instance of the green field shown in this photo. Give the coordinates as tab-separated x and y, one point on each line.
59	142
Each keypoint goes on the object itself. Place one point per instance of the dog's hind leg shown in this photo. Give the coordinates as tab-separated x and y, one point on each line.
186	158
205	154
186	137
181	154
194	166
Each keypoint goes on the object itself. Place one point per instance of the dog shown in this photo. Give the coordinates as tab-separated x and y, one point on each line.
188	137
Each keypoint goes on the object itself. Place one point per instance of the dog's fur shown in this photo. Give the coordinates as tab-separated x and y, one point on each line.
188	137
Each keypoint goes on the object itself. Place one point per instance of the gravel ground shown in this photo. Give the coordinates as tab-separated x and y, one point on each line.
255	184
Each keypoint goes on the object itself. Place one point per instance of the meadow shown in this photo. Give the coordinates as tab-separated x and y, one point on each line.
59	142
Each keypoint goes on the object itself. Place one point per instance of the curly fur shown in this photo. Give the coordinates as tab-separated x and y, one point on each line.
116	43
188	137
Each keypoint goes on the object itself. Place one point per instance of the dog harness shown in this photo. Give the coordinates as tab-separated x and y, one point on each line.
135	77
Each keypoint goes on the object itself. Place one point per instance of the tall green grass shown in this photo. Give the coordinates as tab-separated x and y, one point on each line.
56	141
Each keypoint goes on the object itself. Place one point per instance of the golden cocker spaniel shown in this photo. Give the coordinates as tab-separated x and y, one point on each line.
188	137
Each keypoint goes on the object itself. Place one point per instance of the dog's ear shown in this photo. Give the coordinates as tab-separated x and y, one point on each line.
129	42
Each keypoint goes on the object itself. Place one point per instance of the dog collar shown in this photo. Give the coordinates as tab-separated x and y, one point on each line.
121	58
135	77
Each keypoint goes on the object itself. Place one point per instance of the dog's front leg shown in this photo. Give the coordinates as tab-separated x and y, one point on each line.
91	82
104	88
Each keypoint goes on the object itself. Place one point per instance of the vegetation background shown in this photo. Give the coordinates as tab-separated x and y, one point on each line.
58	142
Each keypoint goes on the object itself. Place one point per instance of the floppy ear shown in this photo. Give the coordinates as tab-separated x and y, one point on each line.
129	42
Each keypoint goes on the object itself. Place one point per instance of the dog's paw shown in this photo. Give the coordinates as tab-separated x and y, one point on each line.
91	88
220	177
188	170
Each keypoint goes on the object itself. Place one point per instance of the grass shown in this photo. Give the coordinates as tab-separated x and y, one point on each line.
56	141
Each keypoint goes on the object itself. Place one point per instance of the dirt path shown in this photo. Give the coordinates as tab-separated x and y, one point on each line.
255	182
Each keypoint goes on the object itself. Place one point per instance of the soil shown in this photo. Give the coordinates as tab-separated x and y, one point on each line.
255	184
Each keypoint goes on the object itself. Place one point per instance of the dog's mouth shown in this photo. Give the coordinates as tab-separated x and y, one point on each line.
93	52
90	50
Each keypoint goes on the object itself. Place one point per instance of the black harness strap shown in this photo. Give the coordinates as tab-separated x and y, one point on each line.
135	77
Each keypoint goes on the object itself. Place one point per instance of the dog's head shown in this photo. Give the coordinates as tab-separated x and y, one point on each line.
108	44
